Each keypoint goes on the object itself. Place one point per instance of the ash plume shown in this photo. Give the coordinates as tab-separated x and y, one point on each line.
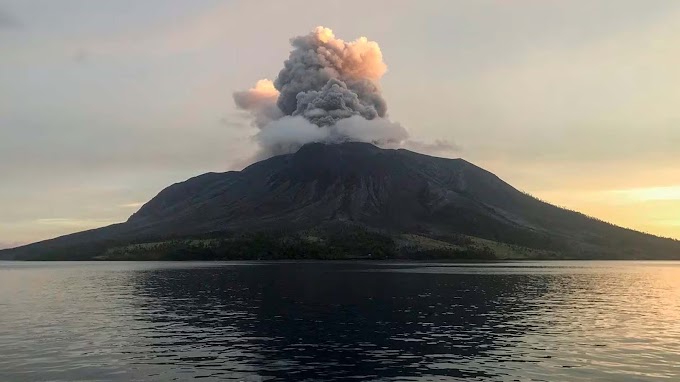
327	91
319	57
260	101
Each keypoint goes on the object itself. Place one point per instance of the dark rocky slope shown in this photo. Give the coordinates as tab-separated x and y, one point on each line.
406	197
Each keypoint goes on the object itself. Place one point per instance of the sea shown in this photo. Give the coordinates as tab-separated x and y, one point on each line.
340	321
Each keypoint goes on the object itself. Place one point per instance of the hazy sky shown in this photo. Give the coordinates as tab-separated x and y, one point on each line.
103	104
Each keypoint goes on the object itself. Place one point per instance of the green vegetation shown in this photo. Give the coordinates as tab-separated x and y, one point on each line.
329	242
346	242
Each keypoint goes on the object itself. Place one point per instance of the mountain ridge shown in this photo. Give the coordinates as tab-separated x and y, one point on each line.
324	191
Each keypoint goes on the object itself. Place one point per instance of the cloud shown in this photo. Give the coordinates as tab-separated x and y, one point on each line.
607	99
7	20
81	55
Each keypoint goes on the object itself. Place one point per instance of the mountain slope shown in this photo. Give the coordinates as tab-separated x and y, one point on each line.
395	193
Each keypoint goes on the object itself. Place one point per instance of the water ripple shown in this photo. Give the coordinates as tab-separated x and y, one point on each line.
340	321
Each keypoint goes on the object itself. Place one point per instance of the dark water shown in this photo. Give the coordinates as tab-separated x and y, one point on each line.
563	321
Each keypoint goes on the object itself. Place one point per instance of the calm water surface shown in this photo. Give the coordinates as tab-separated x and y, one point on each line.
555	321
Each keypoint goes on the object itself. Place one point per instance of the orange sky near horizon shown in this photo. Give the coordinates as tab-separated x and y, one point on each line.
641	209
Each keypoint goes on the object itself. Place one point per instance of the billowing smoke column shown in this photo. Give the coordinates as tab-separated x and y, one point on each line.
327	91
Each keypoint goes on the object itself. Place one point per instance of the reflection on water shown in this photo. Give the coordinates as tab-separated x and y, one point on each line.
268	321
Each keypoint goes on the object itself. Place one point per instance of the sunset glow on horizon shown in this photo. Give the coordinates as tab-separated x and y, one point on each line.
654	210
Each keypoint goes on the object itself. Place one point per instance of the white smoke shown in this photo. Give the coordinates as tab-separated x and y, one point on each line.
379	131
289	133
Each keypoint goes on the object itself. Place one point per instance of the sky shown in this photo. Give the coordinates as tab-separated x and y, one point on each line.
104	104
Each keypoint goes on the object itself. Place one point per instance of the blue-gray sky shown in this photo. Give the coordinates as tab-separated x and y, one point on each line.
103	104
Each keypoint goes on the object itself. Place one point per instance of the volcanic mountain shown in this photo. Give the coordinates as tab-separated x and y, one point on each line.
351	200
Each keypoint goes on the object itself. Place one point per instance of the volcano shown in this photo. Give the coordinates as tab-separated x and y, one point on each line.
351	200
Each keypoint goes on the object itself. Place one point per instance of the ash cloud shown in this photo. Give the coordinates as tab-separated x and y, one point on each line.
260	101
320	57
327	91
